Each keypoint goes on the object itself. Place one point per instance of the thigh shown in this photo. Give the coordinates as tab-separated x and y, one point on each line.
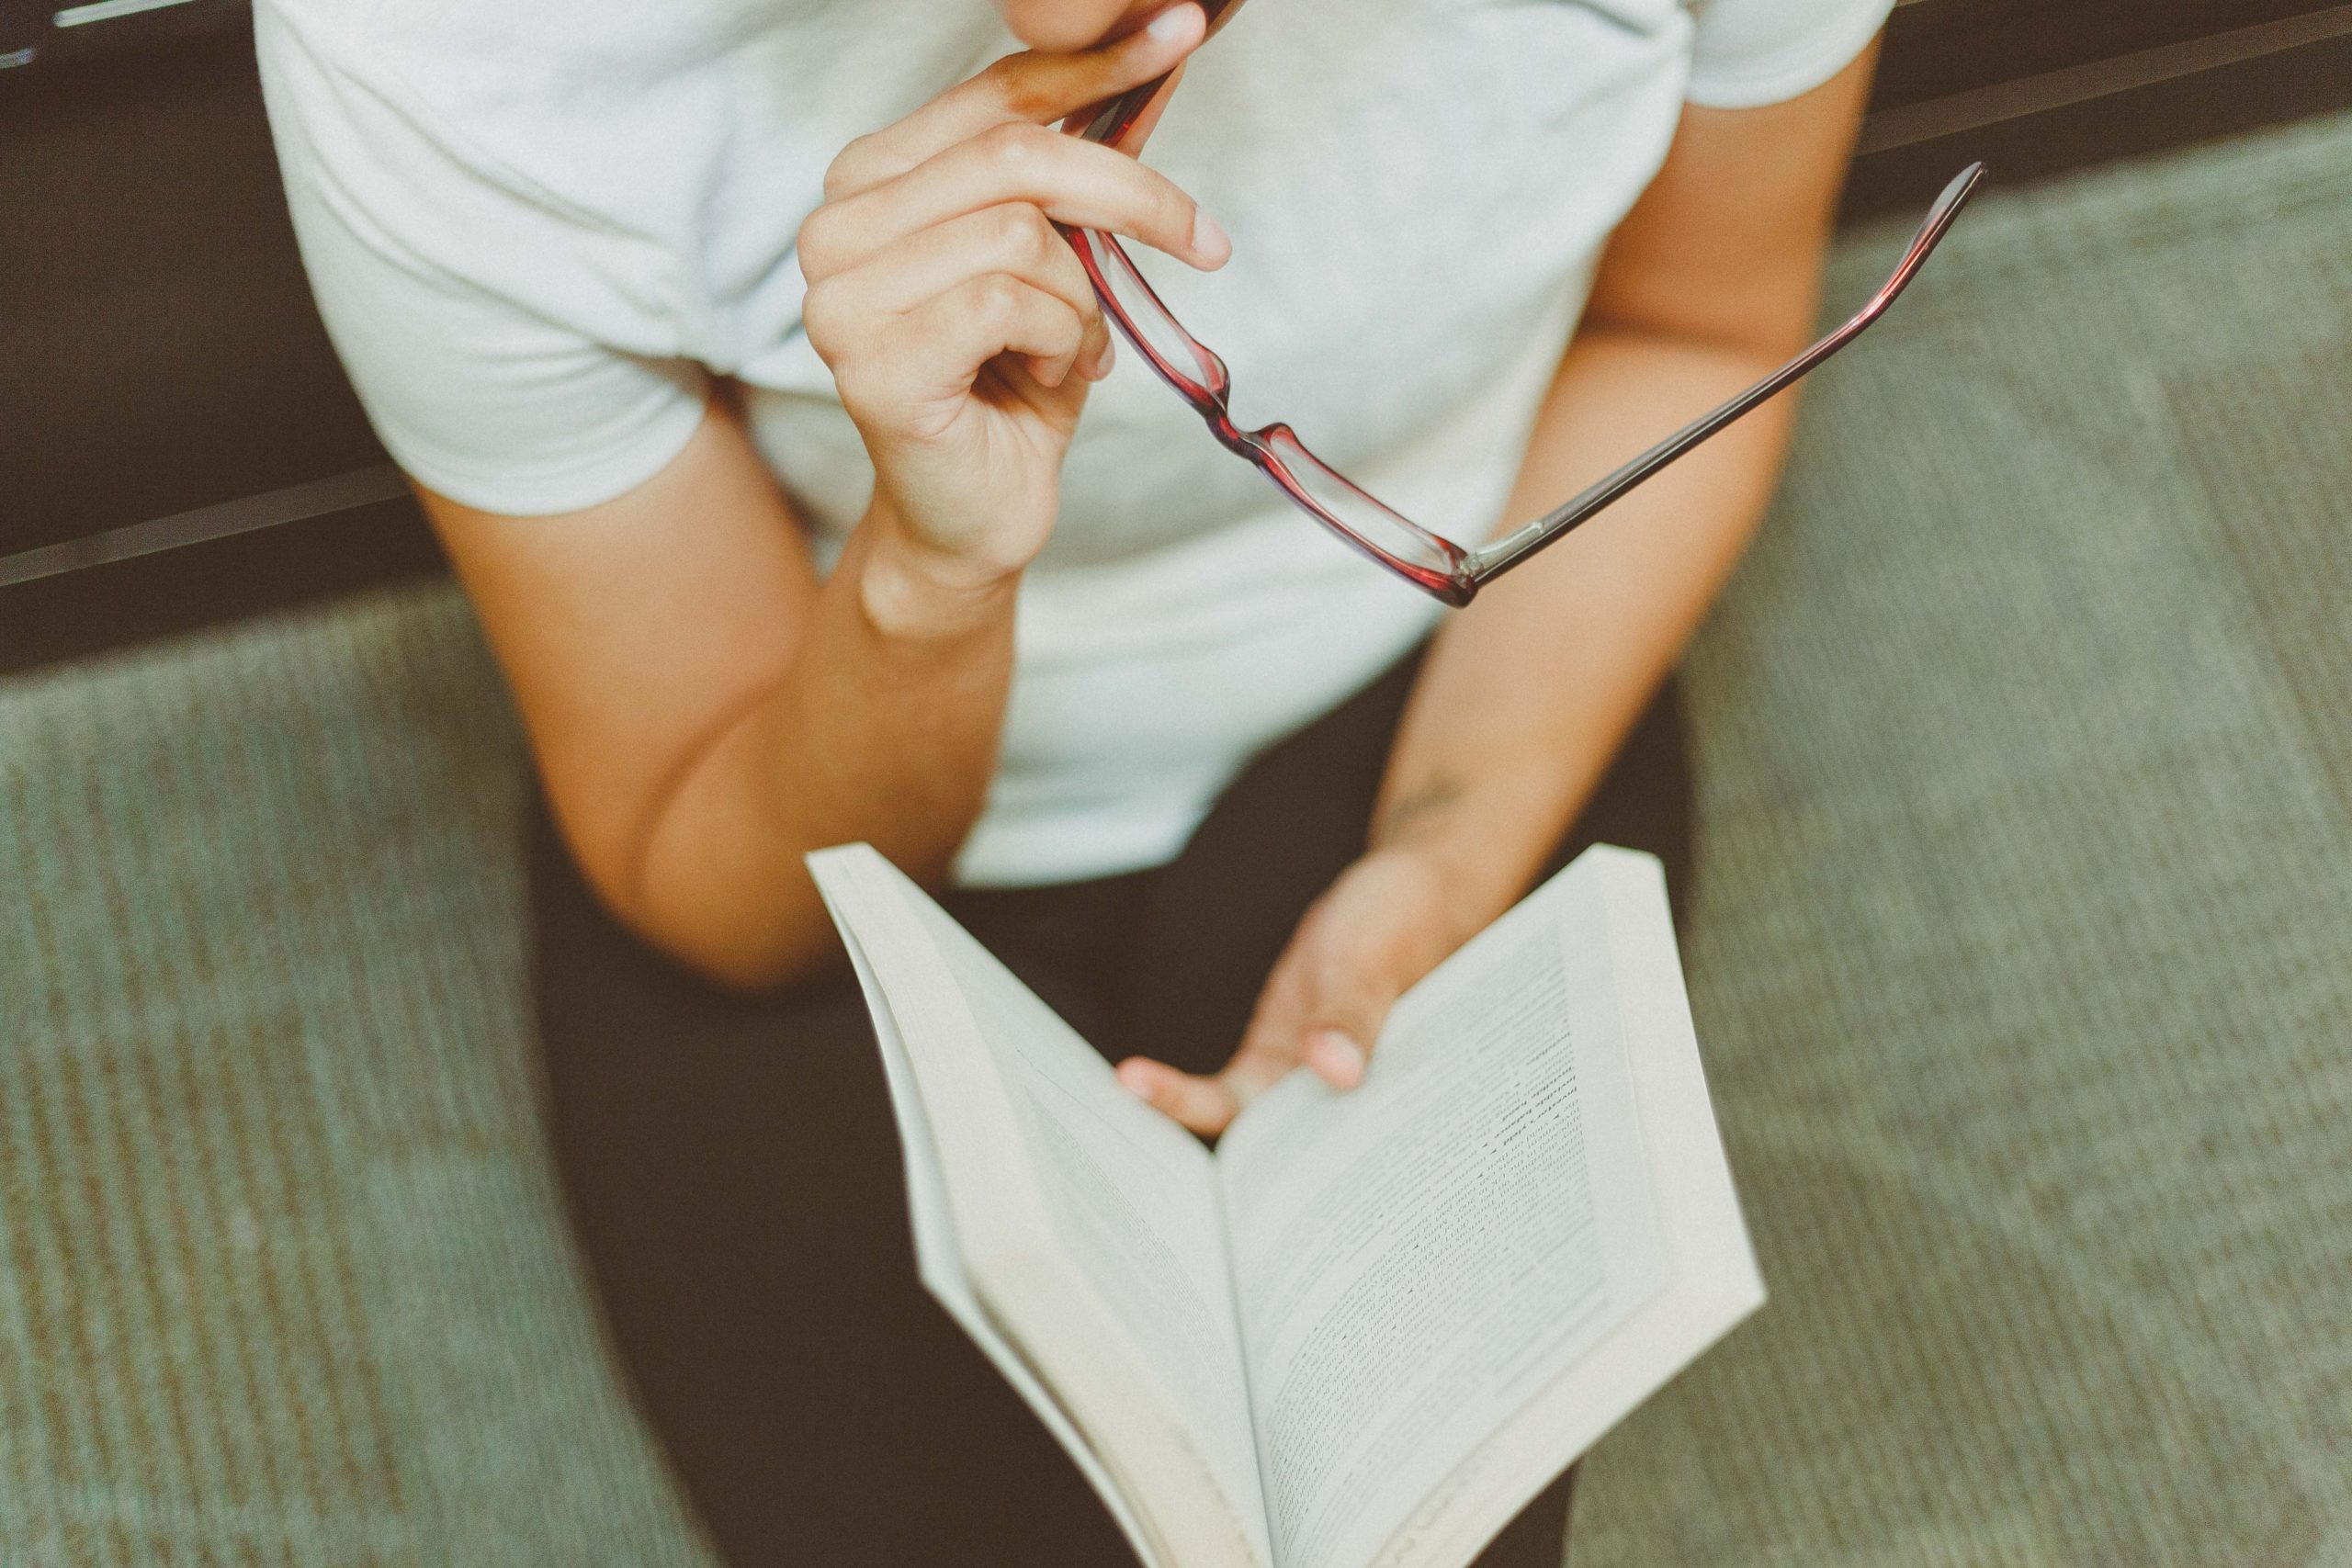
735	1180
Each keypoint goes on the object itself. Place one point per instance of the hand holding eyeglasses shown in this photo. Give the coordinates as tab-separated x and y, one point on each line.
1437	564
961	331
963	336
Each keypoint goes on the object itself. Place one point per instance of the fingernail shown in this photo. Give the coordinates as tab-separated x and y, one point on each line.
1170	23
1135	1077
1210	240
1099	366
1339	1061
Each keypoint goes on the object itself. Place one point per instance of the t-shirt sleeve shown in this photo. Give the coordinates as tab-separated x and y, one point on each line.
454	303
1745	54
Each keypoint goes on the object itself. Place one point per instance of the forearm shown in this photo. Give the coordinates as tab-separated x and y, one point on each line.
1527	694
746	712
1709	282
883	728
1522	699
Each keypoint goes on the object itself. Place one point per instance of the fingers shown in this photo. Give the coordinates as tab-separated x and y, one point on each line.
1380	928
1324	1011
1270	1050
1383	925
910	376
1031	88
974	278
1206	1105
1335	1057
1349	991
1014	240
1070	181
979	318
1316	1012
948	211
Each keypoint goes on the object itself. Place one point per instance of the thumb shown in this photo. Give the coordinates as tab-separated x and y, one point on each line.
1335	1043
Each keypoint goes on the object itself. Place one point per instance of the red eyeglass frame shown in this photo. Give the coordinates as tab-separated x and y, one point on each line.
1449	572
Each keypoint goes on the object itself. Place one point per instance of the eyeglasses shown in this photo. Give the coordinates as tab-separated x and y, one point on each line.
1436	565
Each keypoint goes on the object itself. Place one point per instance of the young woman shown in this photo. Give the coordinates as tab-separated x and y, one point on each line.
784	451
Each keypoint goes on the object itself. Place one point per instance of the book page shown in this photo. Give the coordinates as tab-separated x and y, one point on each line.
938	1258
1131	1201
1416	1257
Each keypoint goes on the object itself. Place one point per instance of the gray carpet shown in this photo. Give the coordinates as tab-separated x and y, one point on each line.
2023	952
2023	960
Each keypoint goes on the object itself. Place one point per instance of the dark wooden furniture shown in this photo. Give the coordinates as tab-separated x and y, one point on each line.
159	358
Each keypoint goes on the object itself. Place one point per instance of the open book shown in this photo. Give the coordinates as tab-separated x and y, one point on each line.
1371	1326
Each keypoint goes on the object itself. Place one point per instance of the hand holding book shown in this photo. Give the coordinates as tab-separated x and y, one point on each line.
1370	1326
1382	926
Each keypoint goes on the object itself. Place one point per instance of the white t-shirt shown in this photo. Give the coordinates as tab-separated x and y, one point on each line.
537	228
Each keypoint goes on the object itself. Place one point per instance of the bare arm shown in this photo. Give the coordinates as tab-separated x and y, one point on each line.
703	710
1710	283
702	707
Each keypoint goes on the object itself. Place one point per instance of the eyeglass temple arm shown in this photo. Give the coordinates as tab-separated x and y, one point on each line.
1490	561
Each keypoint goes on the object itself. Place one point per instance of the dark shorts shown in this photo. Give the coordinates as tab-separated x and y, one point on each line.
734	1176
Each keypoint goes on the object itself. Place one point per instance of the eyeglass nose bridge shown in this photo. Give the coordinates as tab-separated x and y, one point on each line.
1247	443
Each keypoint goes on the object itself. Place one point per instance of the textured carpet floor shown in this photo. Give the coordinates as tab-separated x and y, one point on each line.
2023	952
2023	958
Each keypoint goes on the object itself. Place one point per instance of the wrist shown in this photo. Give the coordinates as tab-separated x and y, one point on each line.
909	589
1469	845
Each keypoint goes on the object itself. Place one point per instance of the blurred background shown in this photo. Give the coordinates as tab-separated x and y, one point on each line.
2021	948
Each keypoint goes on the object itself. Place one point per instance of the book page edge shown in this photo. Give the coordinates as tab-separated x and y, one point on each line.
939	1260
1020	1270
1713	1281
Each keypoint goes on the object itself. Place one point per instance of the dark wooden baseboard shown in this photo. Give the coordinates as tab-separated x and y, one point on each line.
159	350
122	603
2040	89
